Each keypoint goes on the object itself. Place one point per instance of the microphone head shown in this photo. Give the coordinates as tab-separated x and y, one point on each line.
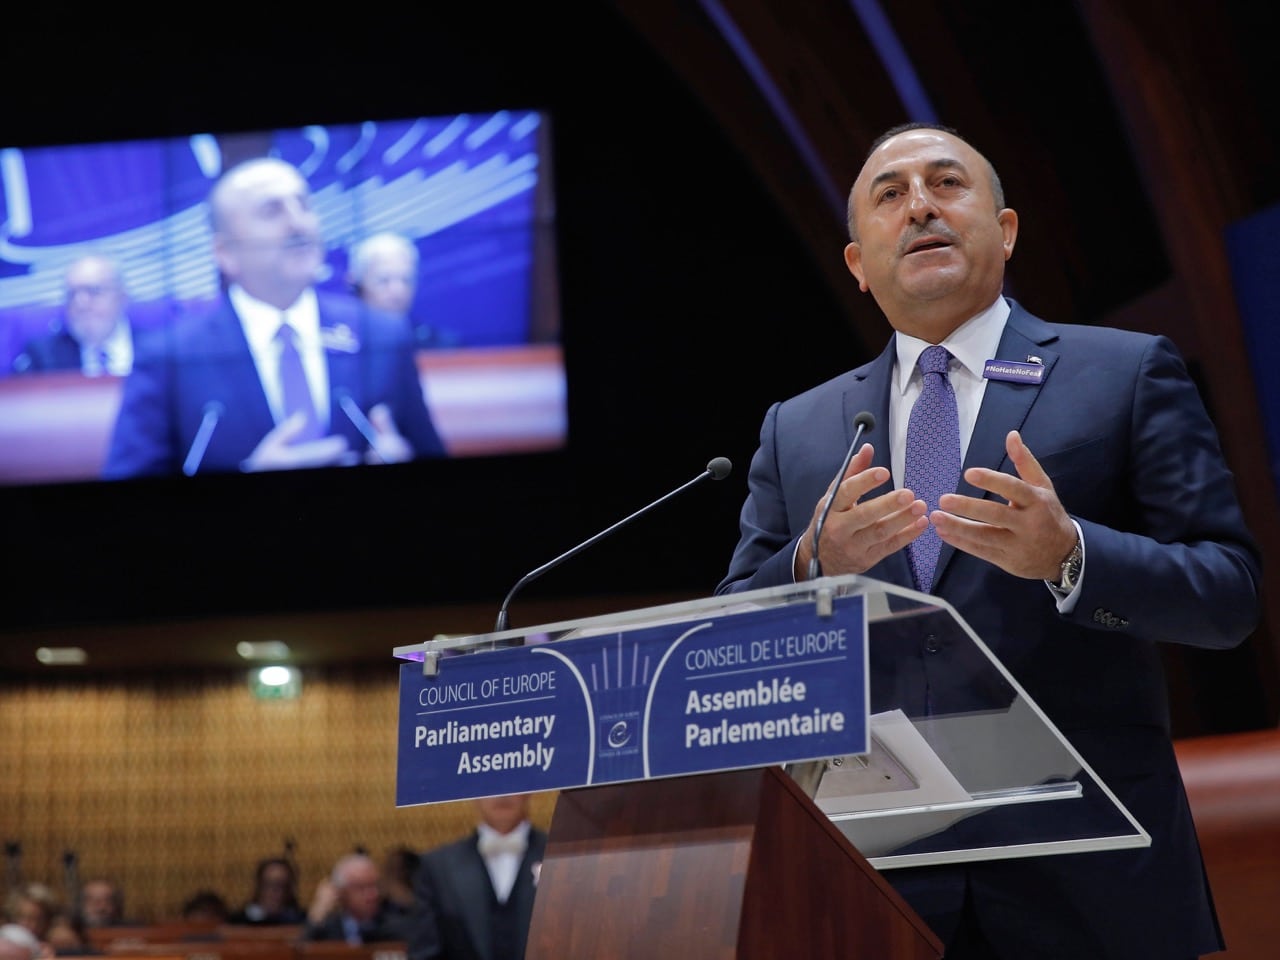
866	420
214	408
719	468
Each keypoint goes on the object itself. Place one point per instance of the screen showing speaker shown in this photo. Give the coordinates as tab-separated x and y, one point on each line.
134	303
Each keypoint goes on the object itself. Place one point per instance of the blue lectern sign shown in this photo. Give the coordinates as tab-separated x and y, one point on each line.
769	686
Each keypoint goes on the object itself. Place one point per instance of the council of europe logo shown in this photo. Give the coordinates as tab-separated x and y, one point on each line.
618	733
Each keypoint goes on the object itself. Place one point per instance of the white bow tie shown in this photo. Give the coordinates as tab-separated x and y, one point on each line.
493	844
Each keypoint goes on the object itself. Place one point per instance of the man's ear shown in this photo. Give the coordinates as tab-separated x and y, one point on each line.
1008	220
853	260
224	255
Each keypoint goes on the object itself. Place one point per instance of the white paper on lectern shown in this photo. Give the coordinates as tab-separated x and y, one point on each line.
901	770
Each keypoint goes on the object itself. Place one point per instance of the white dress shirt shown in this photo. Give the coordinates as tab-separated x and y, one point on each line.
503	862
114	356
260	321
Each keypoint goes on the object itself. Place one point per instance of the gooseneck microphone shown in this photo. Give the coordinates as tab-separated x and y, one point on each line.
717	469
213	411
864	422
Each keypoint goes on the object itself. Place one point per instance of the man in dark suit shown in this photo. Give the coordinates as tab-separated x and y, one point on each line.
475	895
278	376
352	907
1094	519
94	335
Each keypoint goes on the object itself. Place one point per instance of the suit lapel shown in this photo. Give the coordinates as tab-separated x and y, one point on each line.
476	894
224	370
870	391
526	886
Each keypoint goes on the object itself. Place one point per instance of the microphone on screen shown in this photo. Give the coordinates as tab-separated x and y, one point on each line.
717	469
359	420
213	411
863	423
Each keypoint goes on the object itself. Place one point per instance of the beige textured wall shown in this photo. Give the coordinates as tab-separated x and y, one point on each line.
171	783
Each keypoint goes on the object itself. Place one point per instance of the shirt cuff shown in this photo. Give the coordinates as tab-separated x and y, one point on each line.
1067	601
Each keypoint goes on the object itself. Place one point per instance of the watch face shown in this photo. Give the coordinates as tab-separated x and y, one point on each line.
1071	568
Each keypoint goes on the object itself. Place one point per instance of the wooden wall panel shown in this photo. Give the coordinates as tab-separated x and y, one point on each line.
171	784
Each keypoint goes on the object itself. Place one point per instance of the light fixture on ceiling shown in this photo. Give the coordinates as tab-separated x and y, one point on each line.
263	650
62	656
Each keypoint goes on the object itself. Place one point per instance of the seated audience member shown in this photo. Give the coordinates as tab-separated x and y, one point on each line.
351	906
68	937
34	906
101	904
94	334
19	943
398	867
475	895
275	896
205	906
206	911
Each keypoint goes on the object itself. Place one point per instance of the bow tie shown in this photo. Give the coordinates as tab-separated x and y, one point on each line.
493	844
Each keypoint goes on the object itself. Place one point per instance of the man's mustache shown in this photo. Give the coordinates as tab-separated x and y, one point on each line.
295	242
933	229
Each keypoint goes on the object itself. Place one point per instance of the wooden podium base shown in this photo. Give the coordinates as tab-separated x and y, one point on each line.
735	865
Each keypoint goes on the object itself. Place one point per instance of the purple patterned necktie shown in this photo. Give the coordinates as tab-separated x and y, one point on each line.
293	383
933	455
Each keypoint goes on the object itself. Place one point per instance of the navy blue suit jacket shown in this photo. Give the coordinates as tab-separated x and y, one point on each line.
454	899
203	364
1120	428
389	925
55	351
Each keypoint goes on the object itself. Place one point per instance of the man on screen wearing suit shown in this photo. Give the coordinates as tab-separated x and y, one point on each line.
474	897
1094	519
94	335
279	376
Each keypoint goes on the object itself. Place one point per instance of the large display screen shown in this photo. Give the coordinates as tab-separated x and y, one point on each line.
436	253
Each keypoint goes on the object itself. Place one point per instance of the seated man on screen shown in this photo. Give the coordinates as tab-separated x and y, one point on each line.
279	376
94	336
383	272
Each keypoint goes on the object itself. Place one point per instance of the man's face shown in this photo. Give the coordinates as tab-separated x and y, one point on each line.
361	893
931	245
95	300
98	904
30	914
389	282
268	238
504	813
275	887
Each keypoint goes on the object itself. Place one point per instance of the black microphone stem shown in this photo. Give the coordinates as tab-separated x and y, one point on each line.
717	468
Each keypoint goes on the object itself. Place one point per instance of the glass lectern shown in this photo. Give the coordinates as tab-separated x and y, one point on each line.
960	769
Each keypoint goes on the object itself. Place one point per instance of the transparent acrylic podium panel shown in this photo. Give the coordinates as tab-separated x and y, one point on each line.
963	765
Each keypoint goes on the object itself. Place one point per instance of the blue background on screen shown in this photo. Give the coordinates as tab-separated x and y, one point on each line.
462	187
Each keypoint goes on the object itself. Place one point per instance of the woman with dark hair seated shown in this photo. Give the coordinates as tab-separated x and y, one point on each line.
275	896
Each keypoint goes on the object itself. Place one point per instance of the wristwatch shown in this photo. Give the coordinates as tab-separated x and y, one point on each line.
1071	569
